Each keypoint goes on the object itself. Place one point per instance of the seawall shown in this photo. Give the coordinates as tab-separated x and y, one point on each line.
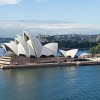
32	65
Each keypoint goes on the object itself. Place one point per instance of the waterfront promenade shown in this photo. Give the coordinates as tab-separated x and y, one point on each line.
33	65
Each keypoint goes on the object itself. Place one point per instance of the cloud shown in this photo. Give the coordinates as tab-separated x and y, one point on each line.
47	25
6	2
40	0
39	27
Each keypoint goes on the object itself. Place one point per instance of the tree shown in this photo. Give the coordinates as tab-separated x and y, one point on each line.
92	51
95	50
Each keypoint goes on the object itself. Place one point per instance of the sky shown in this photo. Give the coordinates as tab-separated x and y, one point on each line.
84	12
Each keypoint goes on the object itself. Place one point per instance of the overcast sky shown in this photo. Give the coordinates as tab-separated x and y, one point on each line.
86	13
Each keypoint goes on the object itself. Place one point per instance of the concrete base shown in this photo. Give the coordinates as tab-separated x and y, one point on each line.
32	65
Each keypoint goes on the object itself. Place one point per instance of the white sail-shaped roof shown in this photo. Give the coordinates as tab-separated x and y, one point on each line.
29	45
46	52
71	52
37	46
63	52
12	46
53	47
23	45
21	50
31	49
3	46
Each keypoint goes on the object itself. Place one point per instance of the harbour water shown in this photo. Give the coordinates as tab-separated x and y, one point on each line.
1	51
51	83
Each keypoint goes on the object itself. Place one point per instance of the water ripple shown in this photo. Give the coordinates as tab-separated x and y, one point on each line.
52	83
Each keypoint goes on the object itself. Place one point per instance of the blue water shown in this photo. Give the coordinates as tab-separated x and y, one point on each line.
81	51
1	51
51	83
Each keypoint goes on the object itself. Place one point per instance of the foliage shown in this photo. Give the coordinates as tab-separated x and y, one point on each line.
95	50
92	50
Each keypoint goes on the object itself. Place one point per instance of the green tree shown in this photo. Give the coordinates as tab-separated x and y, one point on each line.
92	51
95	50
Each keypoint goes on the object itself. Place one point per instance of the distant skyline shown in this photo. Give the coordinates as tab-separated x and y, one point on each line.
83	14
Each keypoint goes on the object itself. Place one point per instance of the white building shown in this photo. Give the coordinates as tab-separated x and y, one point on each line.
28	45
70	53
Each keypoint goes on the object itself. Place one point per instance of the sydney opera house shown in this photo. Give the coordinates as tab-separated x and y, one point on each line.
27	47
